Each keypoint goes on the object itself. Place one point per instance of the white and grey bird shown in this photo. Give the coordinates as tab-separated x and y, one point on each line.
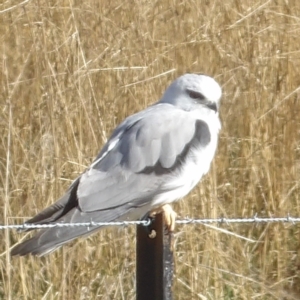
152	158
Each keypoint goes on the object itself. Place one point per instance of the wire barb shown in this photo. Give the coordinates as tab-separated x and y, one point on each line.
147	222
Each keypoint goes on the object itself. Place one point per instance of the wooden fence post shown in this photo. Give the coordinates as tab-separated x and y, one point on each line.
154	261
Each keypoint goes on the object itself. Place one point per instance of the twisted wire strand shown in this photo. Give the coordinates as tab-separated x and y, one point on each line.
147	222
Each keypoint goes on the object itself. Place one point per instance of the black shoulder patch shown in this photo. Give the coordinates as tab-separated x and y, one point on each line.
201	137
202	133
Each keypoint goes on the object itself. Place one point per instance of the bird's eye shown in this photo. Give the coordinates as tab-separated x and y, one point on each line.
195	95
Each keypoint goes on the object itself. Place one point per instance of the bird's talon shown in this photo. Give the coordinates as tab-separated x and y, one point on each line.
169	216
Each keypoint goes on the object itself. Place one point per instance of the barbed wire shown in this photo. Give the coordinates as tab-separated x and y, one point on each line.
147	222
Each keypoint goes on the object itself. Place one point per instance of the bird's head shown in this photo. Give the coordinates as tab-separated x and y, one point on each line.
191	91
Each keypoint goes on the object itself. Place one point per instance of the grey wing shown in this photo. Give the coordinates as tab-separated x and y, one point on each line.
145	155
144	152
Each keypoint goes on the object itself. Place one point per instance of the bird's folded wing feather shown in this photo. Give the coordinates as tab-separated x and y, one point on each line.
130	171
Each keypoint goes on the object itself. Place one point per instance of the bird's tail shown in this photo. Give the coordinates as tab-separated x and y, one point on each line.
48	240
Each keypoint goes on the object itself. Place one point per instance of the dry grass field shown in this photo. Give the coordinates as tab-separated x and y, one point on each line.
70	71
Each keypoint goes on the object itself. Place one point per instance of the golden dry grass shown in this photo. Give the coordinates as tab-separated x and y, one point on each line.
71	70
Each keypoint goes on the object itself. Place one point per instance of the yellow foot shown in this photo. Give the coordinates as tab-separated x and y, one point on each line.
169	215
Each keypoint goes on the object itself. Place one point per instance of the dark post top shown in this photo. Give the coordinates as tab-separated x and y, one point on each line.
154	261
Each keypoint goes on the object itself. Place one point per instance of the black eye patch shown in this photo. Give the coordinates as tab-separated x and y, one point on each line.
195	95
